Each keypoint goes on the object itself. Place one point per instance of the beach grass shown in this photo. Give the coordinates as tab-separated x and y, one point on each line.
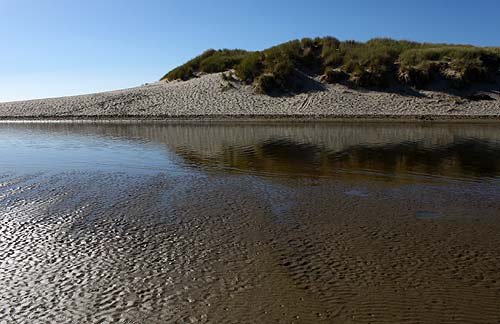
378	63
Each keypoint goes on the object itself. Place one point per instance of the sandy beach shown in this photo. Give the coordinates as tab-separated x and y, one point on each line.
209	96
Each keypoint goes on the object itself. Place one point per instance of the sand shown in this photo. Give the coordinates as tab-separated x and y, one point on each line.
210	96
236	249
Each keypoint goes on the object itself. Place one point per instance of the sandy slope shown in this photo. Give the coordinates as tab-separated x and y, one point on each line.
209	95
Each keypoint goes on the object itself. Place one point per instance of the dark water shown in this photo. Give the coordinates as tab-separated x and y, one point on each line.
193	222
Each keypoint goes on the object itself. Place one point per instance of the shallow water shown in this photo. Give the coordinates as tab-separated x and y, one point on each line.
233	222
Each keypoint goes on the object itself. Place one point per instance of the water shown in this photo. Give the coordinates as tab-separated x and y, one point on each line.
226	222
266	149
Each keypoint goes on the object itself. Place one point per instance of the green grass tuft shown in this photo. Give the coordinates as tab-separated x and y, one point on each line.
250	67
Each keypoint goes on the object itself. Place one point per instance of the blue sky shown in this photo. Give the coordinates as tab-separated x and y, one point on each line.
63	47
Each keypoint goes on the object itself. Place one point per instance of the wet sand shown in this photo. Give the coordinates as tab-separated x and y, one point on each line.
197	243
155	250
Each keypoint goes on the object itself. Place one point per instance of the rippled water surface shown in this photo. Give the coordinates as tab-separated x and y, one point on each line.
240	222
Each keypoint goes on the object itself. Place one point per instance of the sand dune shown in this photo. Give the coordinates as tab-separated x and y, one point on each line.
211	96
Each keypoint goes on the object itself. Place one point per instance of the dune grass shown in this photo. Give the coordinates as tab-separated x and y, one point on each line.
211	61
377	63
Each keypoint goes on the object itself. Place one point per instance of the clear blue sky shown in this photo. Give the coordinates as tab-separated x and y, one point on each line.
63	47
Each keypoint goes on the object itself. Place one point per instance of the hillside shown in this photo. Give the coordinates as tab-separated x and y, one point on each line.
377	64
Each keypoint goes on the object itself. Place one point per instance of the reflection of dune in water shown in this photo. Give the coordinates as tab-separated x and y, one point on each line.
465	157
314	149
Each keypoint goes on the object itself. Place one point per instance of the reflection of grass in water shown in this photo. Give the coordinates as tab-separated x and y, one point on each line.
467	157
463	157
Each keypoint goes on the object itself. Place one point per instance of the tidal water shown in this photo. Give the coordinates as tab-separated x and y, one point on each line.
249	222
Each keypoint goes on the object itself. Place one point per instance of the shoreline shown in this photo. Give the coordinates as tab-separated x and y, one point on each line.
261	118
